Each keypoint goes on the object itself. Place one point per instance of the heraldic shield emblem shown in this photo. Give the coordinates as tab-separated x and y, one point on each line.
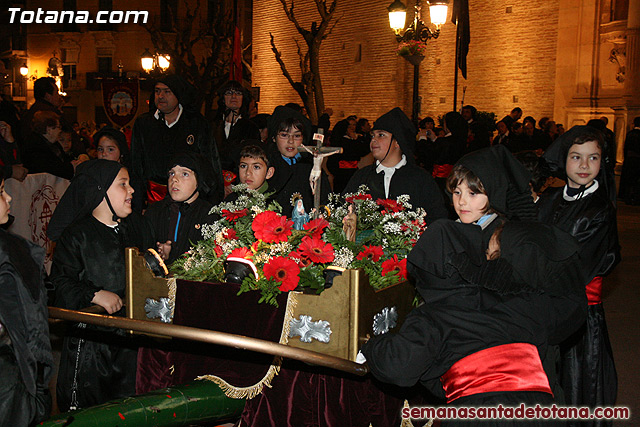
120	100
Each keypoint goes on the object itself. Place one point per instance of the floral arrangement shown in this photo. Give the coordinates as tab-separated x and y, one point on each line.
412	47
253	229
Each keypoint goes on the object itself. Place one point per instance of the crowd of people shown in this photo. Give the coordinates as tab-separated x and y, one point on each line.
510	269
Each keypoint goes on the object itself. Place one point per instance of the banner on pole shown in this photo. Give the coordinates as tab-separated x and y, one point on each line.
120	100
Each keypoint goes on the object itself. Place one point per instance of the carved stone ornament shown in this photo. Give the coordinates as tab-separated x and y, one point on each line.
385	320
308	330
162	309
618	56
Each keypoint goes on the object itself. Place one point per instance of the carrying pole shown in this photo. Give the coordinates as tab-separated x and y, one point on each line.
212	337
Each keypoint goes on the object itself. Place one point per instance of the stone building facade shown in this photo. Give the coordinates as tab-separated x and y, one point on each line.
571	60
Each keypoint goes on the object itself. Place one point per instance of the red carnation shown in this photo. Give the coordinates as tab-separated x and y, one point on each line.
355	197
390	205
304	261
230	234
316	250
393	264
283	270
218	250
241	253
316	227
372	253
271	227
233	216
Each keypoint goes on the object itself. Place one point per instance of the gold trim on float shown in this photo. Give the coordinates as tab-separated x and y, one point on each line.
254	390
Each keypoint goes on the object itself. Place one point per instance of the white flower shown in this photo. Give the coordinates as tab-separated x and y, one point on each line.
343	257
281	248
261	257
392	228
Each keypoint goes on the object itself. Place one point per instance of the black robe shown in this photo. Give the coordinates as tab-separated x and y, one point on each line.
409	179
343	166
587	370
154	145
290	179
162	217
229	147
89	257
468	309
40	155
26	362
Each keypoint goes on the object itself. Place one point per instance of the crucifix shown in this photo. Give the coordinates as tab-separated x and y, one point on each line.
319	153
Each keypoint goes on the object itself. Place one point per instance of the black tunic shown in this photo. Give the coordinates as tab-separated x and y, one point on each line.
154	145
587	370
26	363
89	257
409	179
162	217
462	316
40	155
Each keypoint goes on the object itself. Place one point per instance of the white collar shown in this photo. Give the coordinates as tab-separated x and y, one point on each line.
586	192
380	167
157	116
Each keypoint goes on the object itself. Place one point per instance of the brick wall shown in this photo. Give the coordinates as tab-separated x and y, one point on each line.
511	54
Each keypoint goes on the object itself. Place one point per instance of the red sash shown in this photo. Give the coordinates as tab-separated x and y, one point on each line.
508	367
441	171
346	164
594	291
156	192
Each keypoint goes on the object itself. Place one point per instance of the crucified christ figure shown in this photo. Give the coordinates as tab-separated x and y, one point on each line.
314	176
319	153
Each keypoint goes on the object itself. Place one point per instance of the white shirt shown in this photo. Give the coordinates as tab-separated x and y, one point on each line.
586	192
388	173
157	116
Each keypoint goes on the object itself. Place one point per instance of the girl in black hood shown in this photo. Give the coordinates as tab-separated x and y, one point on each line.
92	225
493	302
585	208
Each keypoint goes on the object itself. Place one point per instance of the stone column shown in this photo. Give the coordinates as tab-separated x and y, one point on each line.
632	81
629	108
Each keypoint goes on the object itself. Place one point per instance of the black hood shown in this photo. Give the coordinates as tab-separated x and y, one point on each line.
401	128
182	89
87	190
505	180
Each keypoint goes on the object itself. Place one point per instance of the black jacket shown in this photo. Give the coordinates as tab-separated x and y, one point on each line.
162	216
154	145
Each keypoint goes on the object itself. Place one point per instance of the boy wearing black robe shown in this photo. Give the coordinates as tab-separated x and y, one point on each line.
406	177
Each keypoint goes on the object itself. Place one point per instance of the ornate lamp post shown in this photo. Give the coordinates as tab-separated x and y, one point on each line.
413	40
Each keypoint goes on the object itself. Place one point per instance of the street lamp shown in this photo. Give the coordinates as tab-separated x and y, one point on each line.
24	70
151	61
412	42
